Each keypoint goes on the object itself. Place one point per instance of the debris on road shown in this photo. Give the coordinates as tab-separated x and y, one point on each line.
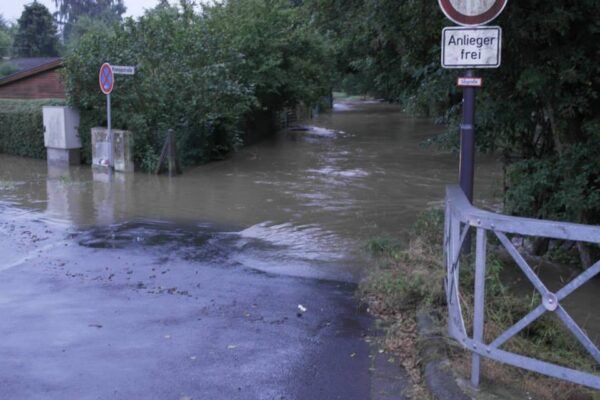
301	310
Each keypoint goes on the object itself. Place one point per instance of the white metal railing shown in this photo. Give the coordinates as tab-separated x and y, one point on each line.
461	216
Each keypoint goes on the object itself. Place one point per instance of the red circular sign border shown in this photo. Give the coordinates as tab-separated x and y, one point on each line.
112	81
471	20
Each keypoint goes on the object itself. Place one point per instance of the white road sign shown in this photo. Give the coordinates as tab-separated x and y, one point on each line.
123	70
477	47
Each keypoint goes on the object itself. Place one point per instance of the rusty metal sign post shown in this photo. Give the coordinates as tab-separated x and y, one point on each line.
106	78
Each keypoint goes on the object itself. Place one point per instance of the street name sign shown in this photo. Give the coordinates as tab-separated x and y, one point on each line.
472	12
106	78
123	70
477	47
469	81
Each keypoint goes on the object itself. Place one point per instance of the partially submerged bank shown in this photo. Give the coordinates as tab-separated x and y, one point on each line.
405	290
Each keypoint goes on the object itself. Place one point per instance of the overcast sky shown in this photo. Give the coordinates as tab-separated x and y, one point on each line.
11	9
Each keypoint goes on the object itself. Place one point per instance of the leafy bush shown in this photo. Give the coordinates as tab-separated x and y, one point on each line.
5	42
203	75
22	131
7	69
284	58
565	187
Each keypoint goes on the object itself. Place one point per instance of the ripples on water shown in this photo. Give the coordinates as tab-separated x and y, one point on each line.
302	203
310	195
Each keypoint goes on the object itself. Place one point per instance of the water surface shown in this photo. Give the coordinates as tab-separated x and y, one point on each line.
303	202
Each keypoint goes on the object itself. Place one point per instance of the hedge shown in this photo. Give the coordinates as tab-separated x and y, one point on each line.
21	127
209	76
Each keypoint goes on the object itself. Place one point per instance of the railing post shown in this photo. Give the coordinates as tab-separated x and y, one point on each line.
479	303
447	245
454	245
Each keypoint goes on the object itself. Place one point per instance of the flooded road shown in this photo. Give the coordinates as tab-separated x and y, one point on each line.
315	196
232	281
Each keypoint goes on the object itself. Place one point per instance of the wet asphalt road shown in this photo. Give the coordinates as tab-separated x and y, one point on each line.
141	313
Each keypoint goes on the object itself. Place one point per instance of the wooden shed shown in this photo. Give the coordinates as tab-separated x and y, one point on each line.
35	78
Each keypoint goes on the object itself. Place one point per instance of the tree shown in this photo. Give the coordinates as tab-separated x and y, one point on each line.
5	43
285	59
5	38
36	33
82	26
100	11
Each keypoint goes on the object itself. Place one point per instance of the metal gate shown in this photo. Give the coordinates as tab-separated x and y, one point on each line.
461	216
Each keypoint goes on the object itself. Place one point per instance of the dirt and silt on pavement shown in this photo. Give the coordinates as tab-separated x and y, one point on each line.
138	286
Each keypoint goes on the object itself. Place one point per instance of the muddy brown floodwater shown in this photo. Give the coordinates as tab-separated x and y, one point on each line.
316	195
302	203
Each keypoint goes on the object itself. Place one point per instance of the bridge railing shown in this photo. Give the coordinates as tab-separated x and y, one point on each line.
461	218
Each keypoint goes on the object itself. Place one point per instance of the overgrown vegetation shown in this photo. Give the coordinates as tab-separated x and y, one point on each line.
36	34
22	132
408	279
7	69
6	37
206	75
75	15
539	111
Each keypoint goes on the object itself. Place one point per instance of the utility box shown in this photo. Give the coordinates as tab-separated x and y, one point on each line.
61	136
122	149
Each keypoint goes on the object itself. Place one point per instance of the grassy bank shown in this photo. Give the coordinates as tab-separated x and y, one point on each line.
406	279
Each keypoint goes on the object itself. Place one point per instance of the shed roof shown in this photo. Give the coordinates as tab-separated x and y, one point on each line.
30	66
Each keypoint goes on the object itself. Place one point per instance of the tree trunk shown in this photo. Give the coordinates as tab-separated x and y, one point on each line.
558	145
584	255
540	246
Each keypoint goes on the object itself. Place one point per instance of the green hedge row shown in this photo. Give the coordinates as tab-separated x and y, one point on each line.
21	126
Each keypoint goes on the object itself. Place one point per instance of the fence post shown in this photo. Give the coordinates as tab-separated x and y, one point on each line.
479	303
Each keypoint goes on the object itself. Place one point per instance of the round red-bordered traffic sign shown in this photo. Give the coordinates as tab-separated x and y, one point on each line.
472	12
106	78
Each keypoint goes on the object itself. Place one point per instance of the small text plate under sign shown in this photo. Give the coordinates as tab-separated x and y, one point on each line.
466	81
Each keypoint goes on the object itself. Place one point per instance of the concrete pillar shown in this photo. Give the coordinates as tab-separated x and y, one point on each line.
122	149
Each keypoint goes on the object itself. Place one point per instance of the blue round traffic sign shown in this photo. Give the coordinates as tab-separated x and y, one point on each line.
106	78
